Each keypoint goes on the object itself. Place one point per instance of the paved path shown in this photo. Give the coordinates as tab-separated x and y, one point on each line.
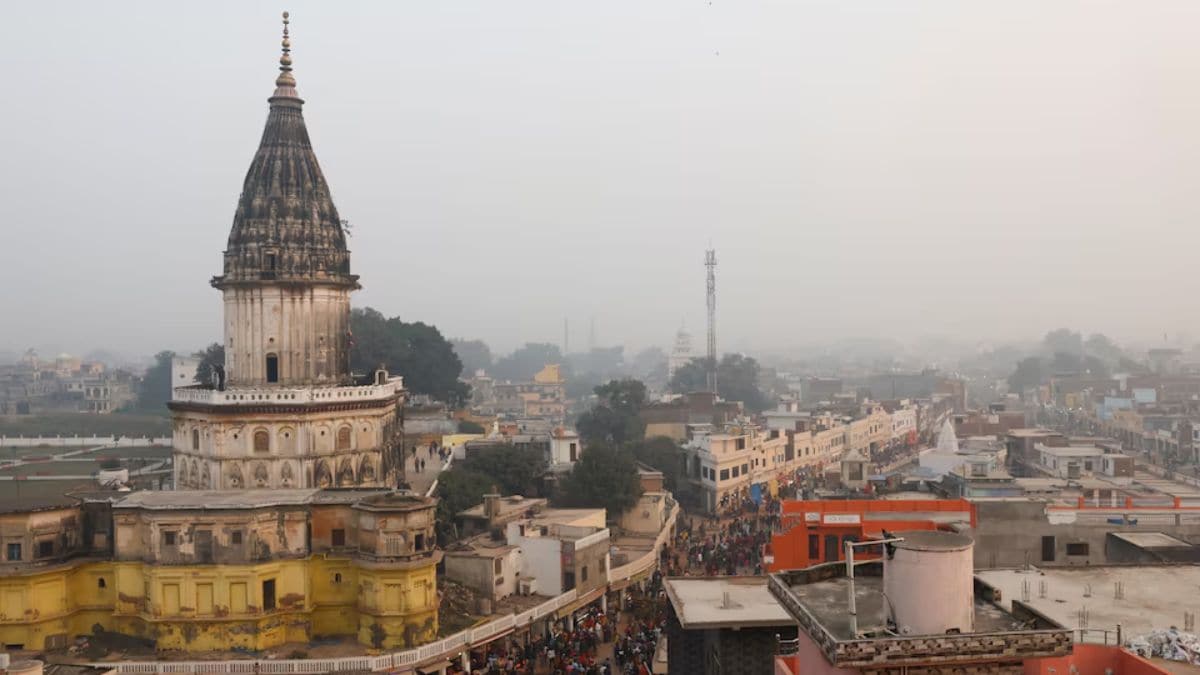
421	481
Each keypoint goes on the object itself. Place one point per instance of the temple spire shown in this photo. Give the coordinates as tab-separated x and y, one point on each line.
285	84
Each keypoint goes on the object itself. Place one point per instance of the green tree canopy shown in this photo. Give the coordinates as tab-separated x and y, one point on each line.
614	419
474	354
660	453
1063	340
1030	373
211	358
514	470
415	350
525	362
737	380
156	385
469	427
458	489
604	477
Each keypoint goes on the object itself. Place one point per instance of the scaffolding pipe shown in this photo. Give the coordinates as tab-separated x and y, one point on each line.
852	602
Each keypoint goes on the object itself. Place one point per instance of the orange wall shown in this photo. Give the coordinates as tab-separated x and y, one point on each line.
791	547
1094	659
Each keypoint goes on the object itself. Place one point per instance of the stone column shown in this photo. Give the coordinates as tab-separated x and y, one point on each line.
465	659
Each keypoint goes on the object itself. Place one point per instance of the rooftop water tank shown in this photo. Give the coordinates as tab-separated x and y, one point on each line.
930	583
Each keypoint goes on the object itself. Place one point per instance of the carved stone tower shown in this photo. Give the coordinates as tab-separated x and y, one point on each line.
286	411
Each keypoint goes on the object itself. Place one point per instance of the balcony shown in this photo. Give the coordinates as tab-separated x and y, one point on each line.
257	396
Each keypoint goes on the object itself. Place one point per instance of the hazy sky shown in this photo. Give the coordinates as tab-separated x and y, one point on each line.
862	168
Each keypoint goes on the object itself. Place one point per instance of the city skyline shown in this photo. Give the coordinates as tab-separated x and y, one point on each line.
843	171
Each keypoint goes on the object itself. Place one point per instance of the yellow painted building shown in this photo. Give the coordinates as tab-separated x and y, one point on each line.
203	571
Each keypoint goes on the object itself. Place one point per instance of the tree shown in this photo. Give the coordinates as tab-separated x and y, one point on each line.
524	363
692	376
415	350
650	362
1100	346
1030	373
469	427
737	380
458	489
156	384
660	453
514	470
615	417
604	477
1063	340
211	358
474	354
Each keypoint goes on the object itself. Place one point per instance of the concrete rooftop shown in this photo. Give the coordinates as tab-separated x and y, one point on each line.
828	602
1155	596
699	602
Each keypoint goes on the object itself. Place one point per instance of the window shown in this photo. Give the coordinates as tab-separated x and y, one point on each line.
338	537
100	583
337	577
343	438
268	588
45	548
745	469
583	573
168	538
235	537
14	552
741	444
271	262
814	547
1048	548
195	439
735	472
498	565
262	441
419	542
724	474
1077	548
272	368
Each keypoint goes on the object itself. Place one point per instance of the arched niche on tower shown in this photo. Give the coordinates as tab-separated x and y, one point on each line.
365	430
322	476
285	440
287	475
344	434
323	439
345	474
366	471
233	477
262	475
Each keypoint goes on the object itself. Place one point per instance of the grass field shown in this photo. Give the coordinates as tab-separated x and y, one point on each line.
82	424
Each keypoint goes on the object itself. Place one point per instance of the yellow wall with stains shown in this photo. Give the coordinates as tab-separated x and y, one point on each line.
218	607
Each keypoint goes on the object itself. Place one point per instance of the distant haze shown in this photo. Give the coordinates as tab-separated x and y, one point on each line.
866	168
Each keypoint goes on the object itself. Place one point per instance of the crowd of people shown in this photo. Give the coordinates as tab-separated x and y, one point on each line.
573	651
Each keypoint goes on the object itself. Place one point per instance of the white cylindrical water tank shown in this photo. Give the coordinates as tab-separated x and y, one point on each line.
930	583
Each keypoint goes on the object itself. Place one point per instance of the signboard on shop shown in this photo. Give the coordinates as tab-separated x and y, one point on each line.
842	519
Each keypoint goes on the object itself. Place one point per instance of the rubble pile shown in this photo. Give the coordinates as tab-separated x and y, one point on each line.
1171	644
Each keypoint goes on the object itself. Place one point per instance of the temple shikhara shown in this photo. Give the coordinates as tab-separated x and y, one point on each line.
286	411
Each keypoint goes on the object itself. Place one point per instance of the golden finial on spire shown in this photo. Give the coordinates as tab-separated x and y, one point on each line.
285	78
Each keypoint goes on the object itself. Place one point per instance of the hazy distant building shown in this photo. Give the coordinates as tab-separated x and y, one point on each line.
681	353
286	412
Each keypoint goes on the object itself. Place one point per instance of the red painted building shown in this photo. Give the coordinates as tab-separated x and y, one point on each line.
816	531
